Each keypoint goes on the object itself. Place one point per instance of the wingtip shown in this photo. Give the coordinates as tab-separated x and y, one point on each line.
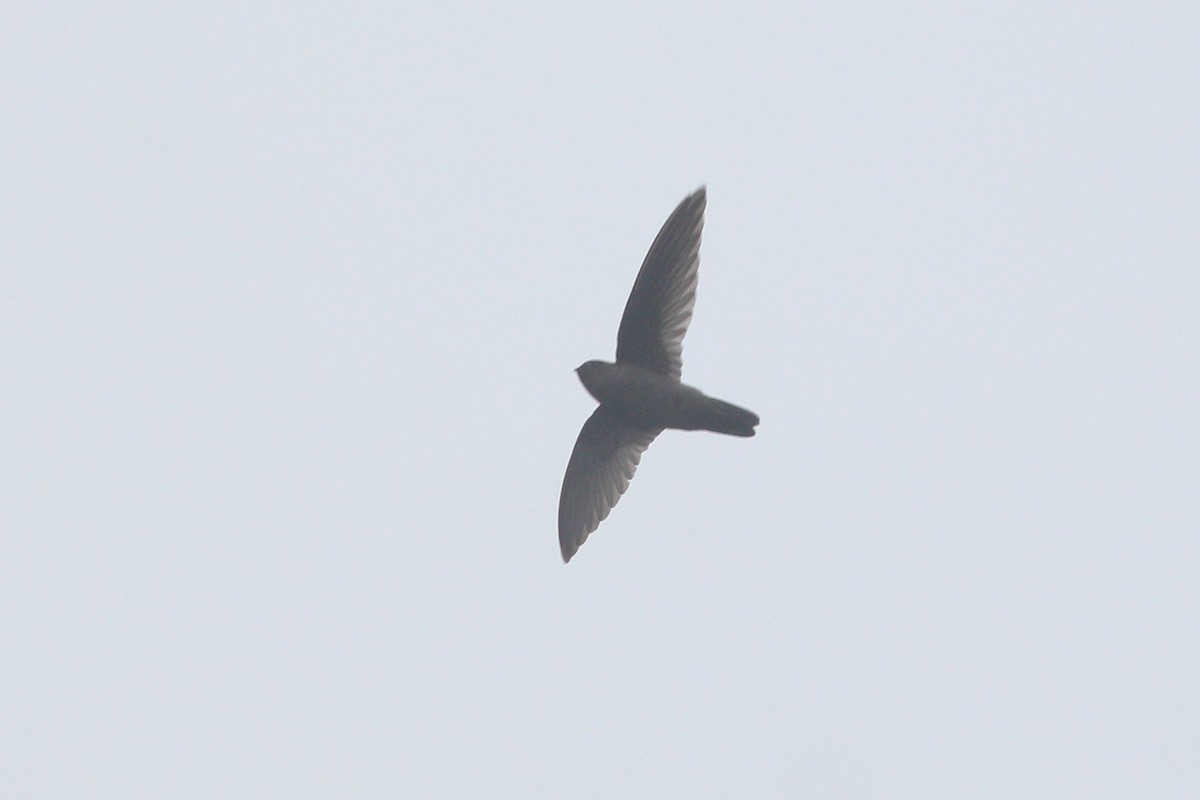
566	547
694	204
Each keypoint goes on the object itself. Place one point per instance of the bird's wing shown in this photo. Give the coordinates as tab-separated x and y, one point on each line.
605	457
660	306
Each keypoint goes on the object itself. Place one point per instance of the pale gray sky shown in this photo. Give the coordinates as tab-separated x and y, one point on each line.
289	308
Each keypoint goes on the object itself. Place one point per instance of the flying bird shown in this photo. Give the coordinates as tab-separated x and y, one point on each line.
641	394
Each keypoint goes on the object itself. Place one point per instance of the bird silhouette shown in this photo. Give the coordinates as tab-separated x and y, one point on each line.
640	394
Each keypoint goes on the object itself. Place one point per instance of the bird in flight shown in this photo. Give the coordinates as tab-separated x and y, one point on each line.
641	393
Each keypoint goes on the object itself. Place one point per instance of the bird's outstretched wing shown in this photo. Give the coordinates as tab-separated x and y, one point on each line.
660	306
605	457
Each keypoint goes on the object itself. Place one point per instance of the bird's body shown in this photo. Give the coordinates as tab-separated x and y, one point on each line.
647	399
640	394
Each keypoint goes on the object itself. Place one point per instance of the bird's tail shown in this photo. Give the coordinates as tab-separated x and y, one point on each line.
723	417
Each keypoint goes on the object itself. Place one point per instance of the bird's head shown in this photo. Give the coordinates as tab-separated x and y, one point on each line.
594	375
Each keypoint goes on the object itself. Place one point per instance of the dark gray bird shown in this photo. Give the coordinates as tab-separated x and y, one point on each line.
640	394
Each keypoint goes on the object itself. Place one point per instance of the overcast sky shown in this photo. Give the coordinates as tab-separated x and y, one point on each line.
290	302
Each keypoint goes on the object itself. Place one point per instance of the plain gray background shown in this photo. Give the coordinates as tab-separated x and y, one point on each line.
291	299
